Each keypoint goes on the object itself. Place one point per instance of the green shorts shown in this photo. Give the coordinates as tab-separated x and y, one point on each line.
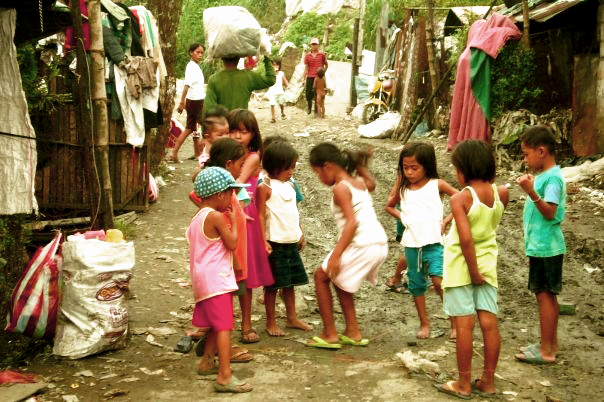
466	300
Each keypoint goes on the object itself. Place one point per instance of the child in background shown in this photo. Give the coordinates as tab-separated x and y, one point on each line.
244	130
280	222
211	242
418	189
362	244
543	238
215	125
470	271
276	94
320	86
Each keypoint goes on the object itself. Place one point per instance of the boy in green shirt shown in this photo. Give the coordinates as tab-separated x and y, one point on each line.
543	237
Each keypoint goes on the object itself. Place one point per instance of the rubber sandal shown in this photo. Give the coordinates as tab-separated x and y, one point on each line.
240	355
344	340
211	371
318	342
234	386
245	336
481	393
451	391
532	356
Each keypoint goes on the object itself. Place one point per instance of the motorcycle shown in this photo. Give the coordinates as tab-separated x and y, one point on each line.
380	97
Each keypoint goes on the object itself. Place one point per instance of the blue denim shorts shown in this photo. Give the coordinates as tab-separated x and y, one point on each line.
422	262
466	300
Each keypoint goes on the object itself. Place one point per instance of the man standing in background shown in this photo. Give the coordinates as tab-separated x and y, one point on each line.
313	61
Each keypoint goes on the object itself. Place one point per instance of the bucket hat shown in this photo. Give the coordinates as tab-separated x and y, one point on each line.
213	180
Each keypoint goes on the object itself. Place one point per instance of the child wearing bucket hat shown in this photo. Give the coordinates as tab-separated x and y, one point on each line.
211	244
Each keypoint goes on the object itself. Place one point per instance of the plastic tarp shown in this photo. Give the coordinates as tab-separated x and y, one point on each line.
18	156
293	7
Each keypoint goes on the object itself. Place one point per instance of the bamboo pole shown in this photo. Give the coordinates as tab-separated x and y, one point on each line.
355	67
99	106
433	67
526	24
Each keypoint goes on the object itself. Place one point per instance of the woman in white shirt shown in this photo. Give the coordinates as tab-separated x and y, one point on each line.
193	95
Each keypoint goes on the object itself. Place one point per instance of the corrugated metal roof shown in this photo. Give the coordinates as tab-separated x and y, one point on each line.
540	10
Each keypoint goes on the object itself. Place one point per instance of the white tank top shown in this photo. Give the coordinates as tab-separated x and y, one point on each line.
422	215
369	229
282	217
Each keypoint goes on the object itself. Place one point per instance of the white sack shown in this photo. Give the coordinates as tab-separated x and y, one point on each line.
584	171
93	315
231	31
383	127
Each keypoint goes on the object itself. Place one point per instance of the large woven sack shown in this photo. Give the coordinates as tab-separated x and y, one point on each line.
231	31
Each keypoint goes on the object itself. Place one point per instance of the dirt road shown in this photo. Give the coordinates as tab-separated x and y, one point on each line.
283	368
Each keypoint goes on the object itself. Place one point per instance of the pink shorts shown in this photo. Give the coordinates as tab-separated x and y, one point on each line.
215	312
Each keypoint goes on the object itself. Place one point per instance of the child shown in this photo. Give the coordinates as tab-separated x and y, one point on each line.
280	222
418	189
320	86
470	272
362	244
276	94
215	126
543	237
210	251
244	130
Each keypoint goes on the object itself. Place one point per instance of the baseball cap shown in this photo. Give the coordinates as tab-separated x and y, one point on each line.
314	41
213	180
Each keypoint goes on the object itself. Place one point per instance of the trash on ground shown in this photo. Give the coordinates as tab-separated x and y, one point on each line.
417	364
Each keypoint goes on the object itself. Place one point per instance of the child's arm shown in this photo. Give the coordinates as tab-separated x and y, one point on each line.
342	197
367	177
251	164
263	193
446	188
314	83
394	198
460	205
285	81
215	223
547	209
504	195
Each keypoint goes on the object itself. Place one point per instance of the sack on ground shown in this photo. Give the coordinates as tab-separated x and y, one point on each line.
35	299
231	31
383	127
93	316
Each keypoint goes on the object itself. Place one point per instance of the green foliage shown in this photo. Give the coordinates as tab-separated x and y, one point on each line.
13	256
513	85
304	28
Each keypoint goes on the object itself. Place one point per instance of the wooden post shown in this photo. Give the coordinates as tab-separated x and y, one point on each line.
84	117
600	76
432	65
381	38
355	67
526	24
99	106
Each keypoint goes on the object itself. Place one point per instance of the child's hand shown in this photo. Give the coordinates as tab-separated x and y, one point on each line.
477	279
268	247
301	243
248	218
526	182
231	214
446	222
333	267
238	270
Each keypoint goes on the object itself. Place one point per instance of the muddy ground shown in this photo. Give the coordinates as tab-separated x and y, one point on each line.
284	368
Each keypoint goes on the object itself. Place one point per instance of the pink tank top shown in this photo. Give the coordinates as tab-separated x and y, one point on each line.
211	264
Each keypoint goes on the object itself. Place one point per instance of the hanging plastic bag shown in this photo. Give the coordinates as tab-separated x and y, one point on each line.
35	299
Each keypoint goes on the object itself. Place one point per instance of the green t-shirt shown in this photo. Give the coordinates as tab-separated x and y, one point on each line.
544	237
233	88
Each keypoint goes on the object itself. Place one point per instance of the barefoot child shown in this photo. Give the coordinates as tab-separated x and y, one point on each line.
280	223
418	189
362	244
244	129
543	238
211	242
320	87
470	272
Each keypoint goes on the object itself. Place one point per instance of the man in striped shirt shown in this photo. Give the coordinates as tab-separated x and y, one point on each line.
313	61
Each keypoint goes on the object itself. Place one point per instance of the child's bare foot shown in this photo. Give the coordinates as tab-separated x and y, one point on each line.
453	335
274	330
298	324
423	333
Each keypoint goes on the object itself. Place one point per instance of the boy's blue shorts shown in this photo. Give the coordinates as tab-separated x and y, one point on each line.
466	300
422	262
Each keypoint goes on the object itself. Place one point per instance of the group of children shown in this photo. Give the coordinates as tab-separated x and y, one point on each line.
247	234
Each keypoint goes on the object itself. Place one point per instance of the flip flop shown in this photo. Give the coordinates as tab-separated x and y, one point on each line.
344	340
245	336
240	355
318	342
234	386
481	393
450	391
532	356
530	346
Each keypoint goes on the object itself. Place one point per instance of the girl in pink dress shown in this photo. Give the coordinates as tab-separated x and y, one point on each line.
244	129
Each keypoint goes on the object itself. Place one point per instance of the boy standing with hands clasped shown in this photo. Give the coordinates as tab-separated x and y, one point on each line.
543	237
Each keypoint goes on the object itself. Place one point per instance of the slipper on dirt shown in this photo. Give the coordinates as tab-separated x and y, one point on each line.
437	333
318	342
532	356
212	371
530	346
240	355
245	336
401	288
446	389
234	386
481	393
344	340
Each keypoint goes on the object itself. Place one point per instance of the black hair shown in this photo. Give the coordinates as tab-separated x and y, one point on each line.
424	155
279	156
247	118
224	150
277	62
321	72
346	159
272	139
475	160
539	136
194	47
230	60
214	116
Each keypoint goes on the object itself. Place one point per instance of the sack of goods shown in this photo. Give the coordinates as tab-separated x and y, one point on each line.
231	31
